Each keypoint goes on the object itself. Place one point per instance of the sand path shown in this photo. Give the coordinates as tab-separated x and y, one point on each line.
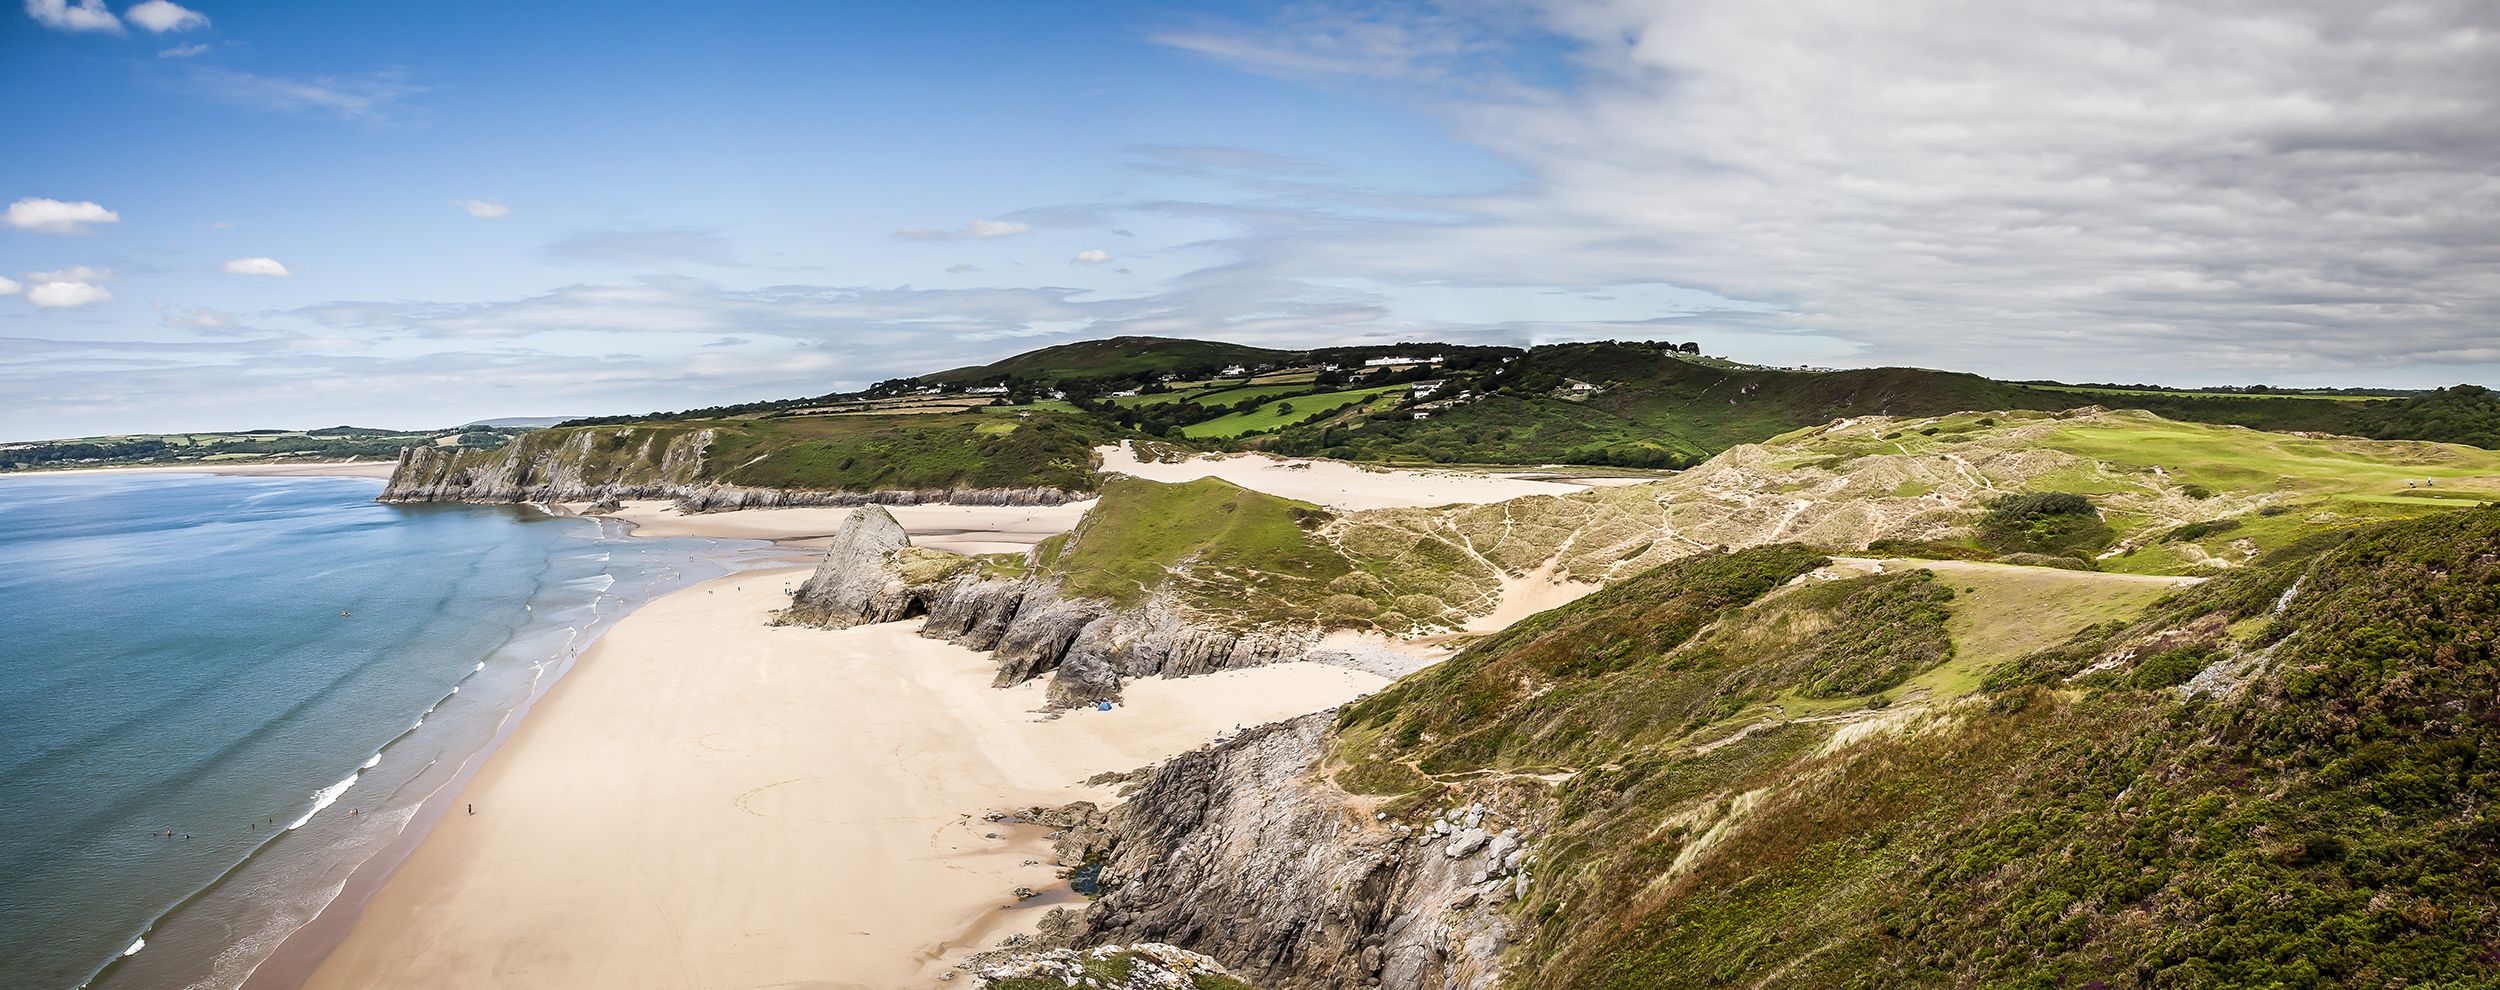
706	801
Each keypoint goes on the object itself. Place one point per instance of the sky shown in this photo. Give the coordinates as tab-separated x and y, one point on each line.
223	215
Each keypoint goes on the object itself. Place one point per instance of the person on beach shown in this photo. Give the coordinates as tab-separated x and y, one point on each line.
473	809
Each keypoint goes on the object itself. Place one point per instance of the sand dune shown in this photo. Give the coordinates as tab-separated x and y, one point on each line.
706	801
1343	485
961	528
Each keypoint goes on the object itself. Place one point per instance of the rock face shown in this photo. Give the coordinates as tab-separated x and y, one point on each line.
1086	648
595	465
857	583
1150	966
1241	852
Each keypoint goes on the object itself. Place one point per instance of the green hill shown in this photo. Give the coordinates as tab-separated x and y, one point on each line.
1116	357
2279	777
1633	404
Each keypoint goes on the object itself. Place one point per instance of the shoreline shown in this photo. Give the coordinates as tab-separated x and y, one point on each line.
302	949
335	892
379	470
531	893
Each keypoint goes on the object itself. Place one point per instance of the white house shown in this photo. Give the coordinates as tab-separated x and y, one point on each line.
1233	369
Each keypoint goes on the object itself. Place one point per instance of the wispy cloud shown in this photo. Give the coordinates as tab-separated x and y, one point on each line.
375	97
483	209
84	15
52	216
1092	256
184	51
2038	188
645	246
974	230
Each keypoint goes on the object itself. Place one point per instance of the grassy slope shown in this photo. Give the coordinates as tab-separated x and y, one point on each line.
1239	558
2332	828
1925	481
1114	356
871	453
1279	413
1655	405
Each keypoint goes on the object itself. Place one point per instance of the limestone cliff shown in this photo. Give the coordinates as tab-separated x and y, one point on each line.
637	462
1245	852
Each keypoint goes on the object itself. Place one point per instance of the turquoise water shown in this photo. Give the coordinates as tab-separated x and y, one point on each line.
219	695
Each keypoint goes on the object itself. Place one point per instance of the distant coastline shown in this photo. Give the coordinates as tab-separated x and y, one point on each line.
380	470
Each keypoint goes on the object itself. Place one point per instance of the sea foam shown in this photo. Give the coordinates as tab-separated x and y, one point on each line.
324	798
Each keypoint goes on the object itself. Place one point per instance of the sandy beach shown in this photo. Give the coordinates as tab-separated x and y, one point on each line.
708	801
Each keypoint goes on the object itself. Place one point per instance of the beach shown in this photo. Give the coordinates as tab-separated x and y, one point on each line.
710	801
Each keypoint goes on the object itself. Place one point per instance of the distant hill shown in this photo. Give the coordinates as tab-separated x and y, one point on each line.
1117	356
1636	404
518	422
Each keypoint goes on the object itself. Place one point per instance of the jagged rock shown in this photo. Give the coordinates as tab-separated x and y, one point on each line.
1467	842
1150	966
1240	851
857	583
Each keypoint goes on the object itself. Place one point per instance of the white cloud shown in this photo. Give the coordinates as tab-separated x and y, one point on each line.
184	51
483	209
973	230
962	268
161	16
2205	189
56	295
1095	256
9	286
257	266
85	15
52	216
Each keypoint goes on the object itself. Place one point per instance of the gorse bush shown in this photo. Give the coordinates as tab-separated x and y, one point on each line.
2055	524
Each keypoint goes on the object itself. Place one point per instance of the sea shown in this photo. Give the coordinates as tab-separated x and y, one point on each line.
221	696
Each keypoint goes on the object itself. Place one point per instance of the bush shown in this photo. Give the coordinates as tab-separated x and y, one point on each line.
2056	524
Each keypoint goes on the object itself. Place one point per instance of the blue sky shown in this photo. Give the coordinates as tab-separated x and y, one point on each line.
504	209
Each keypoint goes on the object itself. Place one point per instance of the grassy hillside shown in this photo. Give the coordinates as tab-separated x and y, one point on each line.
1236	558
849	453
2175	498
2276	778
1648	408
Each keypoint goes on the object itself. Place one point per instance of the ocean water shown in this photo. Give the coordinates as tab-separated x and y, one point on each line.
220	695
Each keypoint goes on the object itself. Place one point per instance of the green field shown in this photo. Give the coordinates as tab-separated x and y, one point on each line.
1277	414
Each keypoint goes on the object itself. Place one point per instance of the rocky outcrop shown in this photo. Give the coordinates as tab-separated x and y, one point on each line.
858	581
1148	966
1243	852
1086	648
597	464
